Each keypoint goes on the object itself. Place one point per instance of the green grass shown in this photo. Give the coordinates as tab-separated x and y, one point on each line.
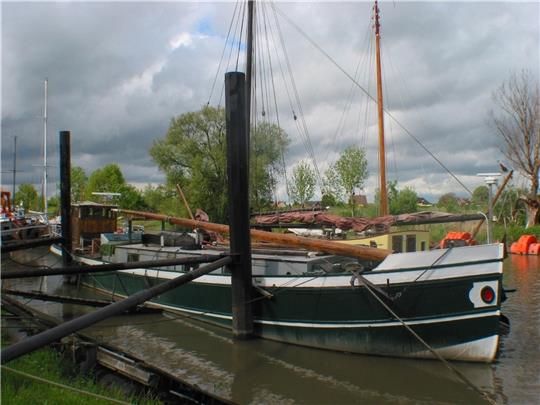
47	363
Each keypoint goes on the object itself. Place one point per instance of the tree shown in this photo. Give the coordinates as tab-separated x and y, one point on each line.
518	126
351	170
110	179
78	183
399	201
27	196
333	189
131	198
509	209
54	205
193	154
163	199
268	143
303	183
403	201
449	202
480	196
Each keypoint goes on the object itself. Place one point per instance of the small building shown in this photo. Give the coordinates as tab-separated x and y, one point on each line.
88	221
422	202
463	202
360	200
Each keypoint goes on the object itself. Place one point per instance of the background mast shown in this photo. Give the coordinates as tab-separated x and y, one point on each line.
45	207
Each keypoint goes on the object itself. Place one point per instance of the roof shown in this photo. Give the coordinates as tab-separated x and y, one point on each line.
93	204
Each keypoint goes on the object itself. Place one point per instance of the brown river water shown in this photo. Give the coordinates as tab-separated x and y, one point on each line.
265	372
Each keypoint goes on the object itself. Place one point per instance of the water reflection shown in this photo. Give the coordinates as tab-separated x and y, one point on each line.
260	371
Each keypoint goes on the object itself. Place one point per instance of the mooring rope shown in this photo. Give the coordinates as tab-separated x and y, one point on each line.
459	374
67	387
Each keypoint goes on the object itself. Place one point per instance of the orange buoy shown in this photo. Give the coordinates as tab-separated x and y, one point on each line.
534	249
523	245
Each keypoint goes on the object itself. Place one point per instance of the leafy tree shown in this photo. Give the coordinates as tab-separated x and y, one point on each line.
78	183
449	202
54	205
164	200
268	143
518	126
27	196
510	209
480	196
108	179
303	183
351	170
328	200
403	201
399	201
333	188
131	198
111	180
193	154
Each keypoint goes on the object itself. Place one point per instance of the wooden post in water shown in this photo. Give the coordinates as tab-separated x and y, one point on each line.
65	195
238	184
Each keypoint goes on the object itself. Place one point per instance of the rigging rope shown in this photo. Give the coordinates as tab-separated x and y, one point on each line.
241	33
459	374
222	54
268	41
286	18
302	126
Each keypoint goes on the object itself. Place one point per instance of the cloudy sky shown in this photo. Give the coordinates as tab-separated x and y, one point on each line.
118	72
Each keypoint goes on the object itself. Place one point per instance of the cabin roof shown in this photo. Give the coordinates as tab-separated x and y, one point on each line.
93	204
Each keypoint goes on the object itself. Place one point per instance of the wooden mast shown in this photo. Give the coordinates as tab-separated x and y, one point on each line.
382	156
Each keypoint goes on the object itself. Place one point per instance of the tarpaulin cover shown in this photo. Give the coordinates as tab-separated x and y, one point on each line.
358	224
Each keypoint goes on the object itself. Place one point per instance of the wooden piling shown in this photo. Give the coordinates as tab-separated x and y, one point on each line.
65	195
238	188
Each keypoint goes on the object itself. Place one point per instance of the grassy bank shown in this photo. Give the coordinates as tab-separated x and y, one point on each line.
49	365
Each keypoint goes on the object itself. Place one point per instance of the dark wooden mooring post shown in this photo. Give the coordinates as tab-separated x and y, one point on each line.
65	195
238	179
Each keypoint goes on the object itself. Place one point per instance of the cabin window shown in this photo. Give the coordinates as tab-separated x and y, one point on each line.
397	243
132	257
423	245
411	243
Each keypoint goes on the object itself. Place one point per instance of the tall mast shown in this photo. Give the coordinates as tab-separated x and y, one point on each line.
45	208
382	157
14	169
249	63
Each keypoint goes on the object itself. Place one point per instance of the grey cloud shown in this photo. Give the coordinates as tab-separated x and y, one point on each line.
116	82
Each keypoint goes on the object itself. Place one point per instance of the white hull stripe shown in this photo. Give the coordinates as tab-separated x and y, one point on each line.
382	324
337	280
404	276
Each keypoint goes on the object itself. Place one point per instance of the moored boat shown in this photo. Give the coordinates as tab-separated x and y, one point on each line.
450	297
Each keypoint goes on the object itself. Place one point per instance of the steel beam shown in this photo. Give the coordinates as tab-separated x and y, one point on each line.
44	338
106	267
